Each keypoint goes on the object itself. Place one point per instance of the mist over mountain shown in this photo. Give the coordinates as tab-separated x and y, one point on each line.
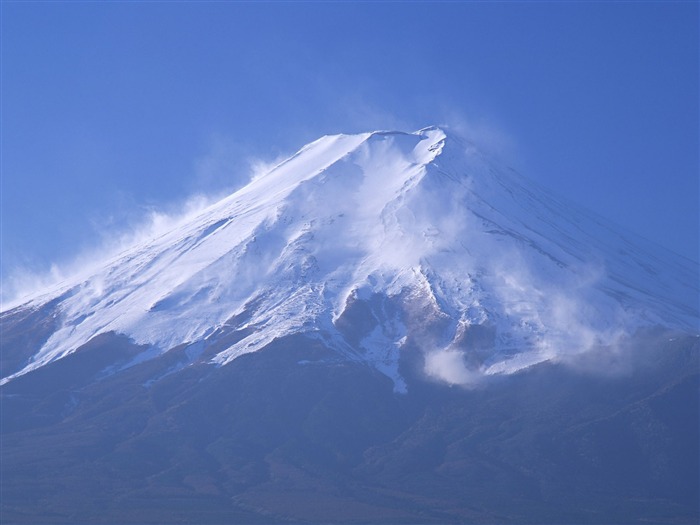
385	327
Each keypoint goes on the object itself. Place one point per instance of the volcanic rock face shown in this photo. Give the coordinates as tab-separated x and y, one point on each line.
287	354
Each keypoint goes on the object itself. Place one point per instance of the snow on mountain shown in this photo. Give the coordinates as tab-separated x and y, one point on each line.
373	242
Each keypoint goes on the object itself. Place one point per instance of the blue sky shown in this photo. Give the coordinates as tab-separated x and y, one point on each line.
111	109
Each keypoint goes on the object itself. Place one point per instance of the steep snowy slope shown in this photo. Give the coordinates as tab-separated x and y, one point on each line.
373	243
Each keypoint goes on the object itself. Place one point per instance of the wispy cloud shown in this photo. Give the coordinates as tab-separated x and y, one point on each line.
223	169
449	366
223	165
135	224
486	135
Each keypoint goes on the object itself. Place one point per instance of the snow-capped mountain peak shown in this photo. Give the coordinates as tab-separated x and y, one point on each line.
376	243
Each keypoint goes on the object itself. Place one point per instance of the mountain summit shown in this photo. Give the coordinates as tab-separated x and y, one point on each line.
374	243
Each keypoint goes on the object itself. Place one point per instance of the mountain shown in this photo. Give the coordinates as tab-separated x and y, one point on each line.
377	230
385	327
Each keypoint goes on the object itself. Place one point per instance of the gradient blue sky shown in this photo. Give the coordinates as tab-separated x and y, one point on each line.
112	108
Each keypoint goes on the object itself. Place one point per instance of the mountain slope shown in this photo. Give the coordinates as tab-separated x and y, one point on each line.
291	354
405	238
267	440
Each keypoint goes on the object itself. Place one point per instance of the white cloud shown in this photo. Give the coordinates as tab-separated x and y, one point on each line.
449	366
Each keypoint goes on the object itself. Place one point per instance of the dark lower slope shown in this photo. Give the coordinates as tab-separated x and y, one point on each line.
293	434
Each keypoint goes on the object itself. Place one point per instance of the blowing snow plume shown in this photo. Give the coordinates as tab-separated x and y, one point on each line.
225	164
374	244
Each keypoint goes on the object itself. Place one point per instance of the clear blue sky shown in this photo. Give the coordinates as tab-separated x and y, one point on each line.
111	107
